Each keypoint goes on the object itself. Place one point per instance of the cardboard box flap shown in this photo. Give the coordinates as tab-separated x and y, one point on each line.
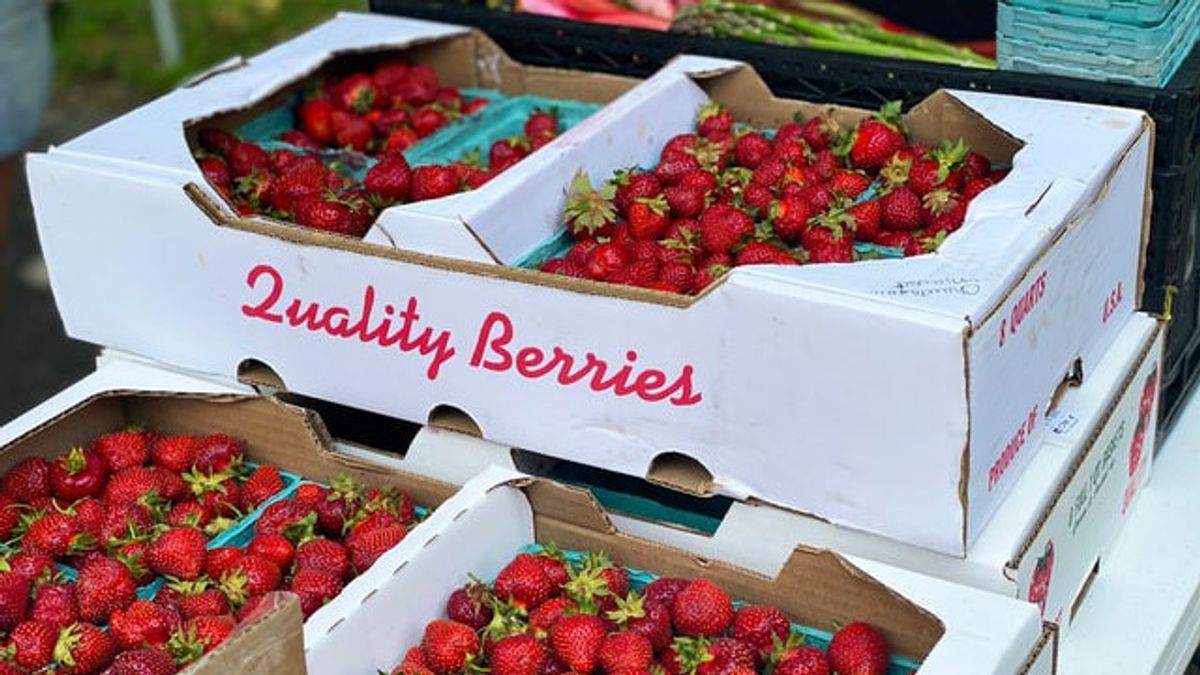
815	588
272	643
273	432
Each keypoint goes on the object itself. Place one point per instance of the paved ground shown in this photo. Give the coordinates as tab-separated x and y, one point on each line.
36	358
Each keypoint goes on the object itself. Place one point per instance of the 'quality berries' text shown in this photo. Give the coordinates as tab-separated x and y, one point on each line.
398	326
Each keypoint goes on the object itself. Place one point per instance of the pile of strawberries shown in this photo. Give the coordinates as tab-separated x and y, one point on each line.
545	615
134	505
345	122
728	195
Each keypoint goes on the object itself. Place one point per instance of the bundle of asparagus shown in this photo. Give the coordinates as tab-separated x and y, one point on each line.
846	33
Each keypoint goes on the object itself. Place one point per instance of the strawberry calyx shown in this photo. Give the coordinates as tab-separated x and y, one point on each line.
628	608
302	530
889	114
949	156
220	523
940	201
235	585
708	155
690	652
74	461
780	648
896	171
185	646
710	109
835	221
64	650
585	586
589	210
657	205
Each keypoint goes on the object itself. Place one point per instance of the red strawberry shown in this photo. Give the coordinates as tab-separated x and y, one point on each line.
449	98
524	582
576	641
849	184
769	173
103	586
55	604
942	211
543	618
300	140
794	153
274	547
57	535
285	515
625	649
355	93
825	164
32	645
28	480
178	552
389	76
752	149
14	600
142	624
142	662
301	179
727	656
138	485
606	259
648	218
789	132
713	119
828	240
400	139
322	213
541	123
976	165
506	151
351	131
649	618
199	636
315	119
10	516
123	449
431	182
246	158
975	186
216	140
877	138
418	87
518	655
315	588
858	649
757	198
427	120
803	661
189	514
712	268
448	645
325	555
218	452
250	576
368	548
672	168
33	565
89	514
685	201
175	453
818	131
901	210
789	216
311	494
216	172
681	277
901	240
125	520
390	179
701	609
263	484
867	216
469	605
722	227
760	626
763	253
203	601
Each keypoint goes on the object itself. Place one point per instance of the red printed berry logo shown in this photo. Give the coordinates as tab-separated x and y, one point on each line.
1039	585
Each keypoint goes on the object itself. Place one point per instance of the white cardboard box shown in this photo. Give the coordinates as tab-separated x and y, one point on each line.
1056	526
920	380
955	629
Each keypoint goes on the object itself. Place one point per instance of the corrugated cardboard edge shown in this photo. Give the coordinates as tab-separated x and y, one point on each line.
964	471
1122	389
1148	122
1049	640
573	510
295	234
271	644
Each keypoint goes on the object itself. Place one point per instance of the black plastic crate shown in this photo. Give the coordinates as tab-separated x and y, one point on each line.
868	82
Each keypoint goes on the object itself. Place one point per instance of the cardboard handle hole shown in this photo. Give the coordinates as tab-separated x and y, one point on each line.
446	416
631	496
361	428
260	375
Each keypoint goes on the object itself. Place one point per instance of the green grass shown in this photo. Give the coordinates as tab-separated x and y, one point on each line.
111	44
